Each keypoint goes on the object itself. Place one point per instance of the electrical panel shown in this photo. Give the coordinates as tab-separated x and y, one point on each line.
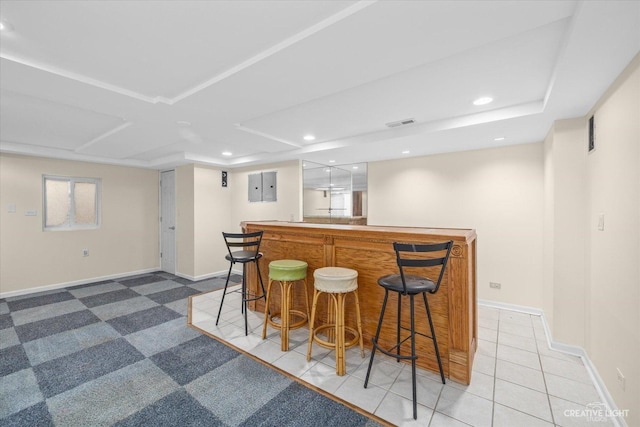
262	187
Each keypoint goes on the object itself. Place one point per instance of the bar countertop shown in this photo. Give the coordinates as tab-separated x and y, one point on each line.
456	234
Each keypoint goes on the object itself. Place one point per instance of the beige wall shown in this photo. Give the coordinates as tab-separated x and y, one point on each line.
289	194
613	255
592	277
205	209
212	217
126	242
565	238
548	253
498	192
185	221
203	213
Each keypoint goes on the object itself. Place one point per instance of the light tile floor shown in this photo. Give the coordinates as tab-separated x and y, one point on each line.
517	380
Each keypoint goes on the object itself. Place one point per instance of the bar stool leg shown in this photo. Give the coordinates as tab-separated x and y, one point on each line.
224	292
314	305
339	340
331	316
266	310
244	297
285	297
399	320
375	339
413	360
260	277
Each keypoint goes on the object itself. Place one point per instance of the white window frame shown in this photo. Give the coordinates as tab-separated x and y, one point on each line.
70	224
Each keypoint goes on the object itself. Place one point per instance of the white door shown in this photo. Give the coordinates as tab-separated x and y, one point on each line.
168	221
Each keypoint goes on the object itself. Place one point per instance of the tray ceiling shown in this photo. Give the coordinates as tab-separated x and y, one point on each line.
161	83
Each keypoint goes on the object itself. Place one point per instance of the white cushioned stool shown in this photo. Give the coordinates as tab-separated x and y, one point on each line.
337	283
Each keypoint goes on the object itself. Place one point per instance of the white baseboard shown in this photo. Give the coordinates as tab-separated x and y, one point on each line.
73	283
28	291
208	275
573	350
512	307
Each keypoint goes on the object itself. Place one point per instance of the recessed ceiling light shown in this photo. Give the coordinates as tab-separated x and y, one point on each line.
332	161
406	152
483	101
227	153
183	123
309	137
500	138
355	167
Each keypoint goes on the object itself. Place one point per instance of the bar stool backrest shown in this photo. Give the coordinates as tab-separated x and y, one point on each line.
249	244
405	259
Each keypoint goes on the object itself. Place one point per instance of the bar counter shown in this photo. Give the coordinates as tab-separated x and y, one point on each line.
369	250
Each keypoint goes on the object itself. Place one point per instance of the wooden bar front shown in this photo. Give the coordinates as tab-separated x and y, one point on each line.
369	250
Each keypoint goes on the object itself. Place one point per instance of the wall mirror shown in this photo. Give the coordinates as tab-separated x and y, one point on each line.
334	194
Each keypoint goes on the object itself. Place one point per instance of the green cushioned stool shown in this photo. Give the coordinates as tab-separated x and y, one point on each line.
286	272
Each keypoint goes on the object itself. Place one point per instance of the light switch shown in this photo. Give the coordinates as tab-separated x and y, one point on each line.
601	222
31	212
11	208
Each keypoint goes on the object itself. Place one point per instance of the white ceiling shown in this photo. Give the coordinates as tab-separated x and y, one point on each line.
113	81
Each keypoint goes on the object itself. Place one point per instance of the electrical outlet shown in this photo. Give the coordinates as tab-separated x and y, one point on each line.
621	380
85	252
495	285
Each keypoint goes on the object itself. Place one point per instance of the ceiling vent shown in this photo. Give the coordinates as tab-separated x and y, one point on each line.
400	123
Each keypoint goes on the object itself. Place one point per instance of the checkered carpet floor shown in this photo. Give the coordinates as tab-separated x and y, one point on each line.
120	353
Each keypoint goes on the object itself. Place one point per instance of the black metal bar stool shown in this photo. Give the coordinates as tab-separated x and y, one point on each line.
411	256
249	244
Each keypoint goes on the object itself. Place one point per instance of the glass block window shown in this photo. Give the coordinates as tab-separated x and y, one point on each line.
71	203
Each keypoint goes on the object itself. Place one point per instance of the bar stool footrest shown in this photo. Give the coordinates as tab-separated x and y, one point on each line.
302	316
390	353
328	344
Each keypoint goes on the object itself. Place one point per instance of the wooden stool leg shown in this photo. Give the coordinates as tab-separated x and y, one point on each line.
284	316
331	316
341	364
316	294
266	311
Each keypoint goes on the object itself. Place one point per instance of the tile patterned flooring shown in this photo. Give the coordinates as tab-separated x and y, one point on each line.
120	353
517	380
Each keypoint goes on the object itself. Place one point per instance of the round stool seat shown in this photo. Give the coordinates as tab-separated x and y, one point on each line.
335	280
287	270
